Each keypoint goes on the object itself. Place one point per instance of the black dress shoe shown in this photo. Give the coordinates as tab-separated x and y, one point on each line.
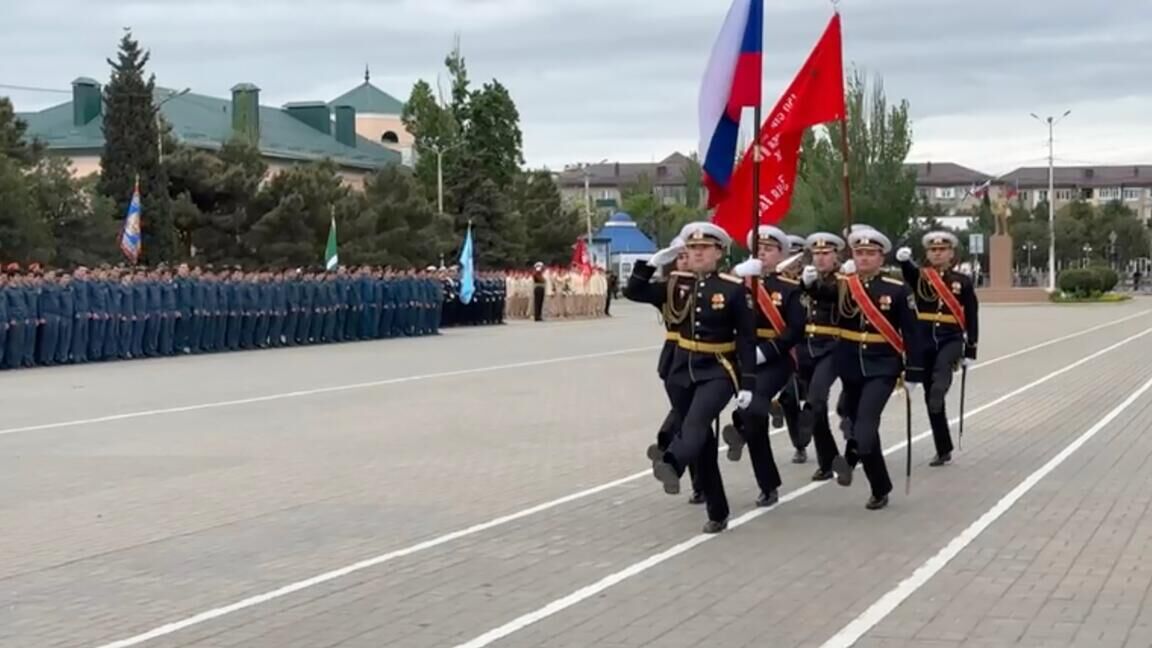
822	475
715	526
777	413
769	498
735	442
843	470
666	474
940	460
696	498
876	503
800	457
654	452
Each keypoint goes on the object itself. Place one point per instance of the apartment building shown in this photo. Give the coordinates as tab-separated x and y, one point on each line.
1097	185
608	182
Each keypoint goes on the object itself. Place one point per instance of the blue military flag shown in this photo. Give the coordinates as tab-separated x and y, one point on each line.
467	269
130	233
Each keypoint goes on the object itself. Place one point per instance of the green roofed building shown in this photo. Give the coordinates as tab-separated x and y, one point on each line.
359	131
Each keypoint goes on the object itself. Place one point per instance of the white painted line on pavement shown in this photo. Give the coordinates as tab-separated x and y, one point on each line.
884	606
477	528
608	581
451	374
323	390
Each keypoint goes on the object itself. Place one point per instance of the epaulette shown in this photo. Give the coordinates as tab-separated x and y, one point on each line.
788	280
841	276
733	278
890	280
681	273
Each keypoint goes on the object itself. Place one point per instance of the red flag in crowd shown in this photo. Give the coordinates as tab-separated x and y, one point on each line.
580	257
815	96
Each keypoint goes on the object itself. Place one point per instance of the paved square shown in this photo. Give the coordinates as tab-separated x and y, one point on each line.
426	492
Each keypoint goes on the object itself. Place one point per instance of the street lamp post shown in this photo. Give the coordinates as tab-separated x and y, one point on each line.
1051	121
440	150
1087	250
159	127
1029	246
1112	236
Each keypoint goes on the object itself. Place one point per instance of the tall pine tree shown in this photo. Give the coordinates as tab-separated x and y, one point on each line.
130	150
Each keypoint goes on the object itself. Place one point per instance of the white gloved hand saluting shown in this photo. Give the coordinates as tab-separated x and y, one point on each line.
848	267
743	399
665	256
965	362
809	275
904	254
750	268
760	359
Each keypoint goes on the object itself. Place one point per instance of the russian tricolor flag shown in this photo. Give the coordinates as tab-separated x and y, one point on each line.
731	83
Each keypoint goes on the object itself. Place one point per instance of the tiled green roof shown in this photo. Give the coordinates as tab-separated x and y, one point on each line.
368	99
206	122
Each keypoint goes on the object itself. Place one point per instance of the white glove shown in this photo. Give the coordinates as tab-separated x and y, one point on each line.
904	254
750	268
665	256
760	359
848	267
809	275
743	399
910	388
966	362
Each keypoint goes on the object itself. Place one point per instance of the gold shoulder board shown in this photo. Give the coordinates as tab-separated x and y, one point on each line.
788	280
892	281
733	278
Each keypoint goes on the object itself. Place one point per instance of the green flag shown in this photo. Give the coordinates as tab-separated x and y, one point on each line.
331	259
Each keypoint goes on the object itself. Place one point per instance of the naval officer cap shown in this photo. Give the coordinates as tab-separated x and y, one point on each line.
796	243
865	238
705	232
940	238
824	241
770	233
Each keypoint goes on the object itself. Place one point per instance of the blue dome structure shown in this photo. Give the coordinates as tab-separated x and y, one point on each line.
623	236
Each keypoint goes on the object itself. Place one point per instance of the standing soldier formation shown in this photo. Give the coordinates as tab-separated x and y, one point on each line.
772	333
49	317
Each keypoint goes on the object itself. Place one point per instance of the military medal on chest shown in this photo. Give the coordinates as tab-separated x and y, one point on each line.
885	302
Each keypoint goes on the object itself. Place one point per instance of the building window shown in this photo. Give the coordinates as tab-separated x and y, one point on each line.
1063	194
1023	196
1108	193
1132	194
390	137
923	193
1086	194
1042	195
946	193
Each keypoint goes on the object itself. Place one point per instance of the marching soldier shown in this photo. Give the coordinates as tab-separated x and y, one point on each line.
779	322
948	322
815	354
879	341
670	295
714	360
798	422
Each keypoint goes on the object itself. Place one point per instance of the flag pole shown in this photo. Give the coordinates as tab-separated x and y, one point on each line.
846	187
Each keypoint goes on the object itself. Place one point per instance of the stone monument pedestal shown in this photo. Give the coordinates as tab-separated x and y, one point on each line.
1000	288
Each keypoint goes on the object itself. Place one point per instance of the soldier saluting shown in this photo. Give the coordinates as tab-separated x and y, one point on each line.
815	354
878	342
779	325
948	322
671	293
714	360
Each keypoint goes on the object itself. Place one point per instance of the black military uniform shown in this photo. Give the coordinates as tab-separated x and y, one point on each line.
947	343
671	296
795	418
779	325
715	358
816	354
869	366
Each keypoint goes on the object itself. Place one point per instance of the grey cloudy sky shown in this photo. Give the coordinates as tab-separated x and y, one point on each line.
617	79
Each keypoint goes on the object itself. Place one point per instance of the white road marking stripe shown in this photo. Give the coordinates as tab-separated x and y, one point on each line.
608	581
258	599
321	390
884	606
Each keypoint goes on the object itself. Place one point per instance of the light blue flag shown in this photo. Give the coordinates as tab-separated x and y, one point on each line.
467	270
